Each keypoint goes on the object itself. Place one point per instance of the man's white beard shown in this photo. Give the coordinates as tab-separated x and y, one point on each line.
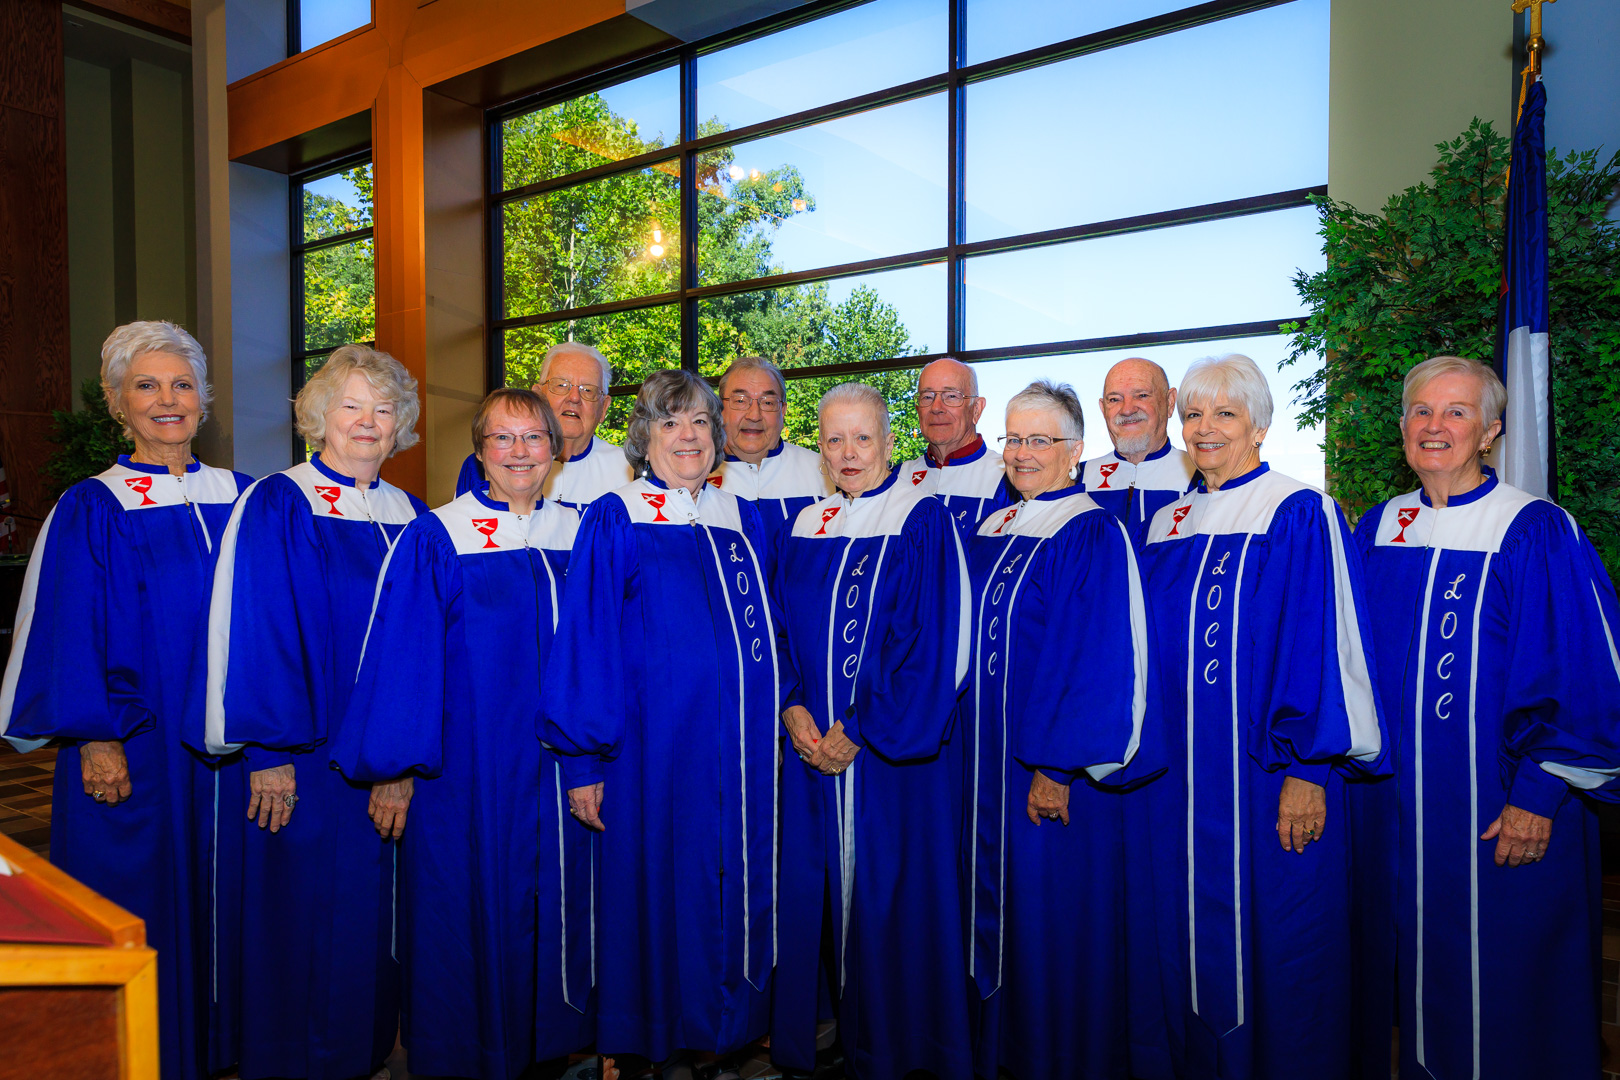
1126	445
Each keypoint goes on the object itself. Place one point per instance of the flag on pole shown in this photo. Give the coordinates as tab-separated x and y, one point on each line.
1525	454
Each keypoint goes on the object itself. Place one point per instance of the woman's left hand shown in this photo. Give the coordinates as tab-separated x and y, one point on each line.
1047	799
389	801
1301	813
837	751
1521	837
105	771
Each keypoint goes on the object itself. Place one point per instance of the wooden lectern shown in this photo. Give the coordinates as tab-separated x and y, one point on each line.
82	1011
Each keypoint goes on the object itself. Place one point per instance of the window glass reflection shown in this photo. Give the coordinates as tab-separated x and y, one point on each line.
594	243
1161	124
996	28
320	21
844	55
623	121
1290	448
1213	273
339	295
859	187
338	203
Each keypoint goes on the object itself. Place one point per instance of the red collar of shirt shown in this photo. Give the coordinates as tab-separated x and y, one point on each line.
960	452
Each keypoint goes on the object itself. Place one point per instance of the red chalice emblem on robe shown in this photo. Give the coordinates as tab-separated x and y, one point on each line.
487	527
1007	517
141	485
331	495
826	516
657	503
1177	516
1107	470
715	479
1404	519
917	477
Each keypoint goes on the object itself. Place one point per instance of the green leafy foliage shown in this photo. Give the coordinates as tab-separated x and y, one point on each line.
618	238
1422	278
340	294
88	441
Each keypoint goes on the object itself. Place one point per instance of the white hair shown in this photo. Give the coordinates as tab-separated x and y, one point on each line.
1233	376
576	348
136	339
973	376
1056	398
855	393
386	375
1492	394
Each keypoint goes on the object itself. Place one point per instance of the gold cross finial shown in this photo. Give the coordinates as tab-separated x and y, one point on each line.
1534	42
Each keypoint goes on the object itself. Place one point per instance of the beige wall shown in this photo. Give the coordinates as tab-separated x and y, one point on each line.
1407	74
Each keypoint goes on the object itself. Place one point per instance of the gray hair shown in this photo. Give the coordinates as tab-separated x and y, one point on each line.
755	363
1058	398
576	348
1235	376
663	394
855	393
973	376
1492	394
386	375
135	339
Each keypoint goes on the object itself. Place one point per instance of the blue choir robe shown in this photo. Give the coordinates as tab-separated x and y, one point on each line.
788	480
1495	648
1133	492
971	484
1056	592
1260	620
109	646
494	876
873	593
292	596
663	685
574	482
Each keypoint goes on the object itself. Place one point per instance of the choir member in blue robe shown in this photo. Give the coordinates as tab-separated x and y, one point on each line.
872	583
108	653
1477	862
1056	593
292	597
779	478
958	468
494	877
1260	619
1143	473
574	380
661	700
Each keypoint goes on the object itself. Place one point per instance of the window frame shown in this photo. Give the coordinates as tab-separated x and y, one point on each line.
297	247
953	81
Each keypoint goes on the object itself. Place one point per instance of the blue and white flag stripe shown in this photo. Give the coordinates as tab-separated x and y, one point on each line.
1525	456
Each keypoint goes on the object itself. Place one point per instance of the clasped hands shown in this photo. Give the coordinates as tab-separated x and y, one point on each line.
831	753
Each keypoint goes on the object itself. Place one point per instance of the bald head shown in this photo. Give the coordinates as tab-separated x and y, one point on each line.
948	427
1136	405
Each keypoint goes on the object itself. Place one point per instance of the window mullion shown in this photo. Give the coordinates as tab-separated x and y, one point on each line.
689	211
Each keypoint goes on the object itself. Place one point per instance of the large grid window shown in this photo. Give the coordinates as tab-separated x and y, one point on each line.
334	292
1029	185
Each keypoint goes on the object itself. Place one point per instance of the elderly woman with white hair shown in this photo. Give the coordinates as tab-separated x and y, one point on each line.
1055	592
1477	863
873	588
660	701
110	634
1261	632
297	575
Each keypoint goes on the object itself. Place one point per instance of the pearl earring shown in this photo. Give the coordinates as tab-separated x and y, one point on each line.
1074	472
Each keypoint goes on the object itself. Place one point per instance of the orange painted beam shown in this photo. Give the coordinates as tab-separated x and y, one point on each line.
436	42
399	229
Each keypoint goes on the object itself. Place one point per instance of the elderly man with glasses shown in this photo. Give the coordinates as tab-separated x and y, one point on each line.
964	473
1143	473
574	380
779	478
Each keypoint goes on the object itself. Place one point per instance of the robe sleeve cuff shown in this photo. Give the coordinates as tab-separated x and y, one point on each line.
1536	790
259	759
579	770
852	727
1317	772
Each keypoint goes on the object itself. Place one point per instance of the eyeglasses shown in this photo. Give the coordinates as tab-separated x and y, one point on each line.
1034	442
534	440
561	387
952	398
769	401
